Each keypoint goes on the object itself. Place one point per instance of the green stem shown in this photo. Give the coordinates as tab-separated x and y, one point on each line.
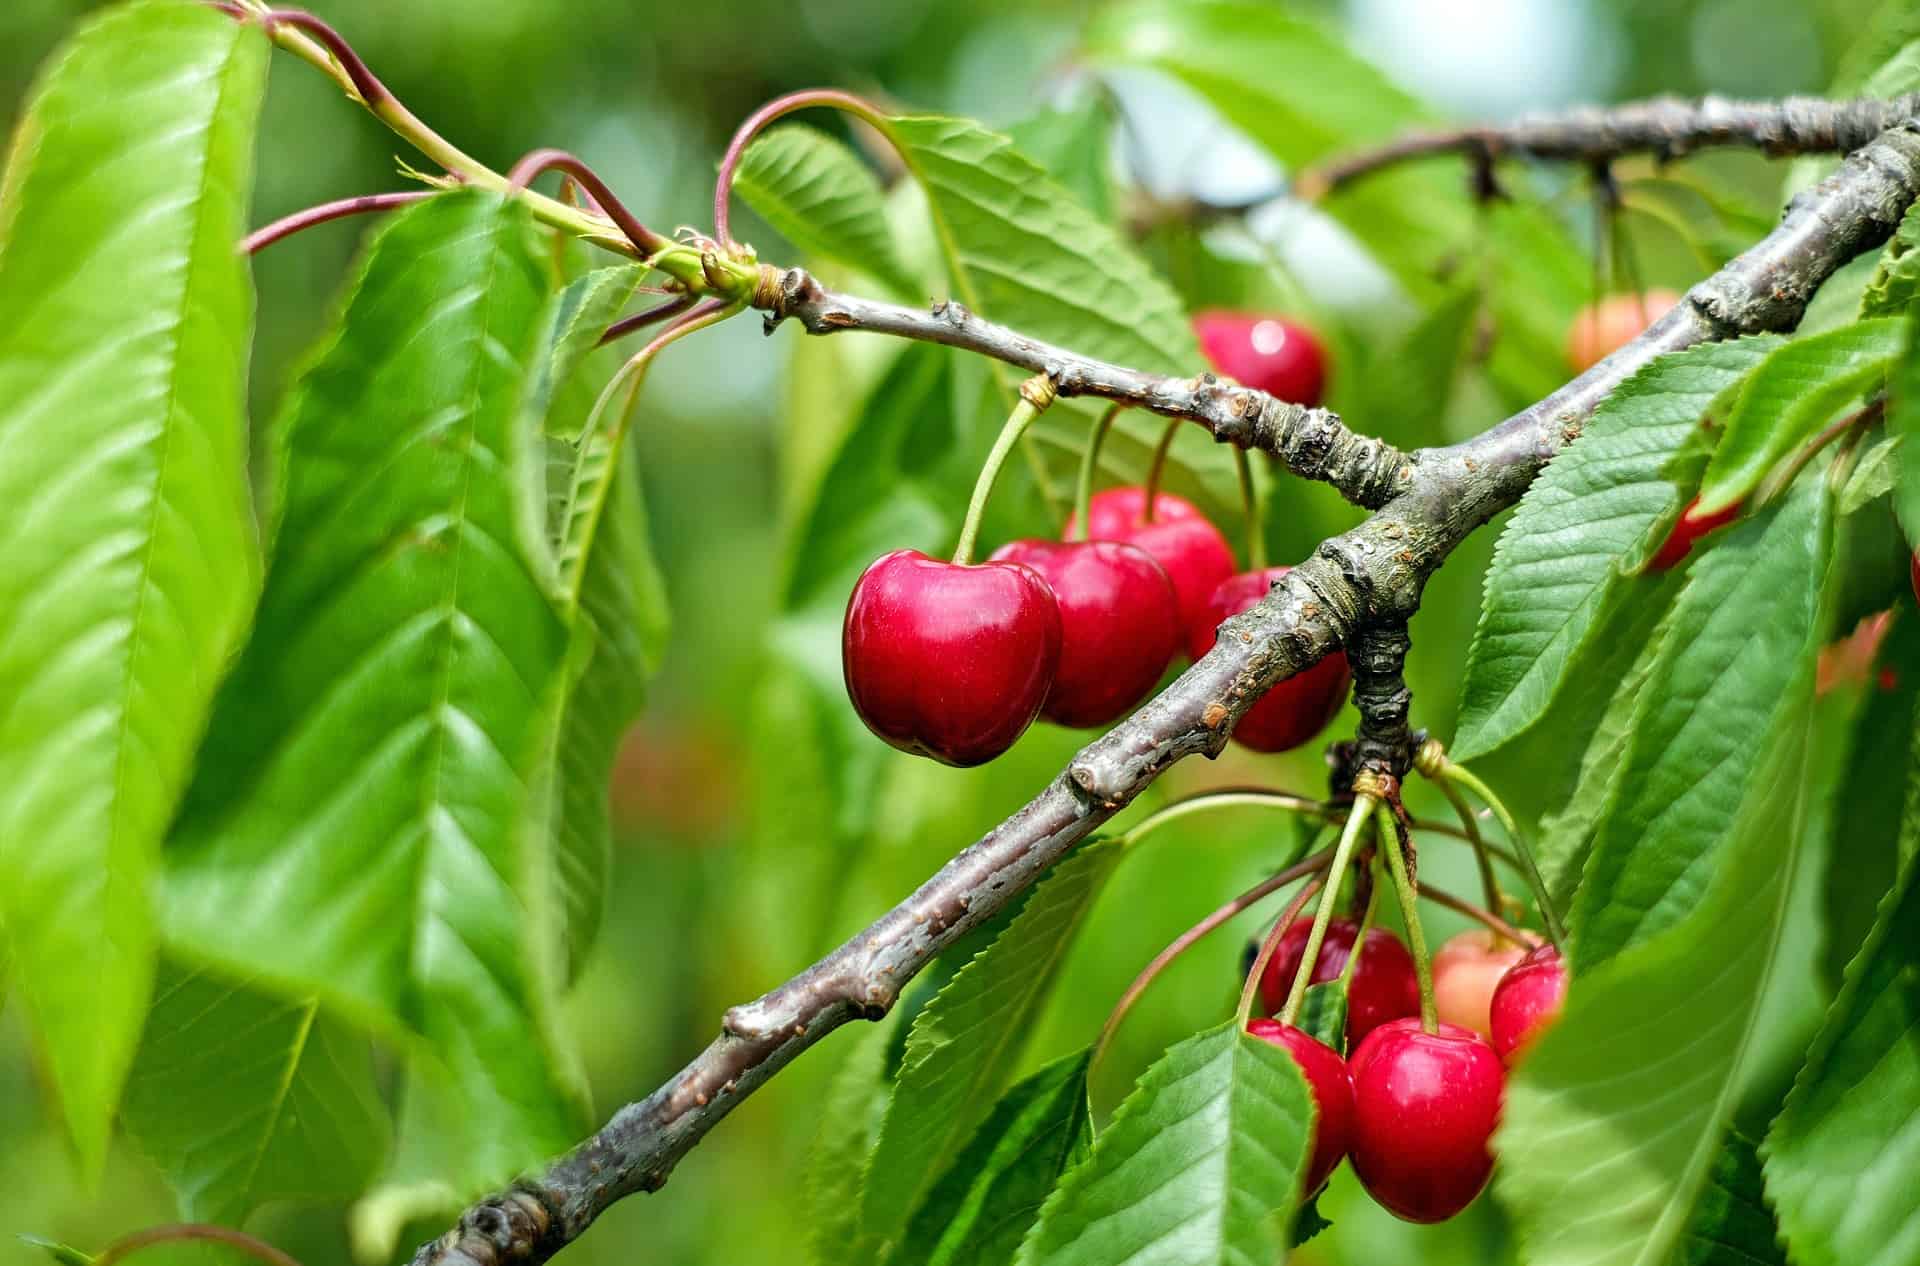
1363	807
1489	883
1269	944
1410	914
1089	463
1221	800
1360	938
1250	499
1556	930
1159	464
1035	394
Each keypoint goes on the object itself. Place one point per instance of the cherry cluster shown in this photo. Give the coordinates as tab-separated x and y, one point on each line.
1414	1110
955	660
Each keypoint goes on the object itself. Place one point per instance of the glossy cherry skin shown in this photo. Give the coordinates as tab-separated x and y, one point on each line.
1326	1075
1528	1000
1188	548
1687	529
949	661
1384	987
1295	709
1424	1107
1119	624
1605	326
1272	354
1465	973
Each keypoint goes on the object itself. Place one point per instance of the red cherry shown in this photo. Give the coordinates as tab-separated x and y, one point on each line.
1384	987
1465	973
1424	1107
1295	709
946	660
1603	327
1913	570
1689	528
1326	1075
1272	354
1527	1000
1119	624
1190	549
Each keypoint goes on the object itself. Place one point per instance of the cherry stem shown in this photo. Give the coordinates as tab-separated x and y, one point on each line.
1493	922
858	107
1036	393
287	226
1186	940
1227	798
1489	883
1250	500
529	168
1403	887
1156	466
1089	464
1359	942
127	1245
1363	806
1251	989
1556	930
640	320
1781	479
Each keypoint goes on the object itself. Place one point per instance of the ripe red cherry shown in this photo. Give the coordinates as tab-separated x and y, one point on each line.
1527	1000
1326	1075
1119	624
1603	327
1295	709
1384	987
1687	529
1424	1107
946	660
1280	357
1465	973
1189	548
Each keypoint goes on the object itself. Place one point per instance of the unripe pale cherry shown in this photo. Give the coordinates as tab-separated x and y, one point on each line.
1327	1079
1193	553
1119	624
1527	1001
1272	354
1687	529
1383	988
1465	973
1295	709
949	660
1610	323
1424	1109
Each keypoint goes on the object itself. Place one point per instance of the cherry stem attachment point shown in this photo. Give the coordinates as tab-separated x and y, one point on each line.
1363	807
1036	393
640	320
540	161
1403	885
858	107
1250	501
285	227
1448	770
1089	466
1158	465
127	1245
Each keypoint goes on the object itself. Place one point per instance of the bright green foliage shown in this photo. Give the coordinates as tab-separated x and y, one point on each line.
376	749
824	200
125	521
850	1116
1202	1164
1903	420
1075	147
242	1097
1732	1225
1896	282
1841	1156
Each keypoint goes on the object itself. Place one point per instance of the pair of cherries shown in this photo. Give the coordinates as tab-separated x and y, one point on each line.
1415	1111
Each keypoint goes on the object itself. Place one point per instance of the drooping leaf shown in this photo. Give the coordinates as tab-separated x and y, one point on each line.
371	763
965	1042
1732	1225
1841	1156
1896	279
1201	1165
1789	398
1564	558
819	195
850	1115
125	520
1744	630
977	1214
241	1096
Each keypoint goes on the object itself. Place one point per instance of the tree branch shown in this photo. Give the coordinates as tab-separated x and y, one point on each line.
1668	127
1368	577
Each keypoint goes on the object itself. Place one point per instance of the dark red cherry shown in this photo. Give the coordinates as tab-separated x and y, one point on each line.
946	660
1272	354
1913	570
1689	528
1384	987
1326	1075
1424	1107
1119	624
1527	1000
1295	709
1190	549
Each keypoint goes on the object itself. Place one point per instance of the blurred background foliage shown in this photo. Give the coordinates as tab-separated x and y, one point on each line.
757	824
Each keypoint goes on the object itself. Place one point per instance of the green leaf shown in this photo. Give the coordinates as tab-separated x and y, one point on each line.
132	559
1895	283
1841	1156
1074	145
1903	420
1202	1164
1872	476
979	1212
241	1096
1743	632
1309	1222
856	1101
1789	398
821	197
965	1043
1565	559
65	1254
1408	381
372	762
1323	1014
1732	1225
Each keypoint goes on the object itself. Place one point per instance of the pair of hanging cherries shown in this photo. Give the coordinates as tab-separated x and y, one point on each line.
954	660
